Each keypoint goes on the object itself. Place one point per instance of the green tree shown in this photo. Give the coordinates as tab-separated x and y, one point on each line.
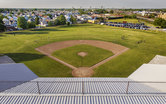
73	20
134	16
101	11
2	26
37	20
22	10
68	23
158	21
49	15
101	19
57	22
111	11
163	24
1	17
81	11
21	22
50	23
152	15
31	25
62	19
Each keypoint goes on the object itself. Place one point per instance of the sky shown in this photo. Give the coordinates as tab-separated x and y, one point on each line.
82	3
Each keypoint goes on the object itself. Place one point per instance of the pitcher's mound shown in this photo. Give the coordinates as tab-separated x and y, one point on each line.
82	54
82	72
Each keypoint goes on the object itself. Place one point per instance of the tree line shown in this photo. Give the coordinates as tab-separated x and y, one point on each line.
160	22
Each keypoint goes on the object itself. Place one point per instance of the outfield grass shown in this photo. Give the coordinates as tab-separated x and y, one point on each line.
94	55
21	48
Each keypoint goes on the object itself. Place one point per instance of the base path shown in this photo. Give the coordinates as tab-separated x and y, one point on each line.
82	72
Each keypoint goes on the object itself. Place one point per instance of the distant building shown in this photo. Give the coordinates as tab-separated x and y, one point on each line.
93	21
162	15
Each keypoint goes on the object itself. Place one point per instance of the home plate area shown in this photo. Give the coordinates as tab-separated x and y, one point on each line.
82	55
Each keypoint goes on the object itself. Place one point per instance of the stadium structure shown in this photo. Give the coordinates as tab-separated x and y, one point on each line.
147	85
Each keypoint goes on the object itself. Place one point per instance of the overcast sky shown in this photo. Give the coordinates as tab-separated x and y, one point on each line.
82	3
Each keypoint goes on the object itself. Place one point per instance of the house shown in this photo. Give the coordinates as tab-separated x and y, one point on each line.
6	21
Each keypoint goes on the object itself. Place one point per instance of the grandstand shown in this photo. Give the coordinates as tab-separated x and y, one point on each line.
145	86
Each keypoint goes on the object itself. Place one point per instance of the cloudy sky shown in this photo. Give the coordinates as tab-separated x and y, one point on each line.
82	3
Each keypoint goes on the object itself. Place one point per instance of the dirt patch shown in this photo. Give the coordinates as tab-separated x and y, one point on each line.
50	48
82	72
82	54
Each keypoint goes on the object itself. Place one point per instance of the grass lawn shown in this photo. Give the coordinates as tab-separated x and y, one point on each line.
121	20
94	55
21	48
132	21
148	24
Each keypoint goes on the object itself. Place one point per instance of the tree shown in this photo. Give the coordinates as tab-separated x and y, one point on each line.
126	16
152	15
21	22
57	22
31	25
101	19
2	26
134	16
68	23
49	15
21	10
81	11
163	24
37	20
101	11
158	21
111	11
73	20
50	23
62	19
1	17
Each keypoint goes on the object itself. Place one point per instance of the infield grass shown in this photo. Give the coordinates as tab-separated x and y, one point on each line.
94	55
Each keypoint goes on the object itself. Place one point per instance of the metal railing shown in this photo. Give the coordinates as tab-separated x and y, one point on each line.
82	87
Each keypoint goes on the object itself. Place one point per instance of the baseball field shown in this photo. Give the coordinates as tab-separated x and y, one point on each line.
105	51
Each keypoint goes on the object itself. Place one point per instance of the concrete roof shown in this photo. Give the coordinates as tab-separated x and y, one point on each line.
153	73
5	59
16	72
150	72
158	60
